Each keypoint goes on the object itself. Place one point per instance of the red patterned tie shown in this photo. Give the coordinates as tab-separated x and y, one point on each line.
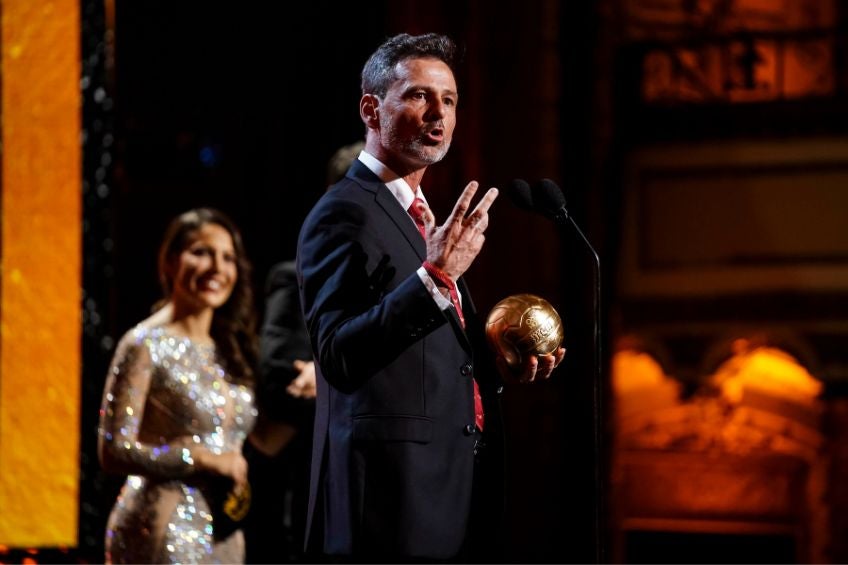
417	210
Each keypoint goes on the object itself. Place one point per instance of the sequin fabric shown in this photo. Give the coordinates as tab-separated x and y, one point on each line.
165	394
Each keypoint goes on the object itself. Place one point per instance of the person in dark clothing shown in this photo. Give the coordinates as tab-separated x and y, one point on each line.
279	448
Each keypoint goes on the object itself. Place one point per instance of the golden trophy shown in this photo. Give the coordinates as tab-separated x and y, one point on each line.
523	324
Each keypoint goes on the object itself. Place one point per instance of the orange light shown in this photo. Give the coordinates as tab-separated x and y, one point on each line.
40	250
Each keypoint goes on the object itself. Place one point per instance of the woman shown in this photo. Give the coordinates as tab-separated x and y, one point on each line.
178	402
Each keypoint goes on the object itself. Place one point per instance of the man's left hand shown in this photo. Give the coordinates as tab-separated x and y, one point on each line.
533	367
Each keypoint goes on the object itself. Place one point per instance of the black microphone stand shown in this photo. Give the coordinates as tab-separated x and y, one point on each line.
562	218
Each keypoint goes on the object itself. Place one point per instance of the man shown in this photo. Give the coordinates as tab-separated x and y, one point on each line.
403	409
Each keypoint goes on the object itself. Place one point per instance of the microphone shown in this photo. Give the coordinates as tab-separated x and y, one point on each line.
544	197
519	192
549	200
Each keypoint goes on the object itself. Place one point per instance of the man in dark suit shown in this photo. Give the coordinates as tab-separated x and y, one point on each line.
406	419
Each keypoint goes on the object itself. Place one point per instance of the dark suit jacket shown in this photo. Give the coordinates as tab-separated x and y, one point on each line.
283	339
393	461
275	526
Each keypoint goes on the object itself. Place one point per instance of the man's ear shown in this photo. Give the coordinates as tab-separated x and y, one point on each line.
368	111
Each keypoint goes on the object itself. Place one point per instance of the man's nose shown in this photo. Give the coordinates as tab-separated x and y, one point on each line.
438	109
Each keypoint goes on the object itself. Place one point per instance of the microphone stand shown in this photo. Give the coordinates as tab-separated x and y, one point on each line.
561	218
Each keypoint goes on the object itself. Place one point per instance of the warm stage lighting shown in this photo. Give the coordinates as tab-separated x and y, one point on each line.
41	274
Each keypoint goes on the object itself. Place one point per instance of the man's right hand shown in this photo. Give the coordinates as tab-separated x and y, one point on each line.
453	246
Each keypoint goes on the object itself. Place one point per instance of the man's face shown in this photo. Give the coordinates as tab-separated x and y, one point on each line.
418	113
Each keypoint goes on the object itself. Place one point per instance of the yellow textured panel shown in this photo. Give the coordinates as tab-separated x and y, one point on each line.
41	273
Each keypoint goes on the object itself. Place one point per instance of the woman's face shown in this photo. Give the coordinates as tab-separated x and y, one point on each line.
205	272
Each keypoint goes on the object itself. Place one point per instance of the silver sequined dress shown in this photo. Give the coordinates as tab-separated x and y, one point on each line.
163	395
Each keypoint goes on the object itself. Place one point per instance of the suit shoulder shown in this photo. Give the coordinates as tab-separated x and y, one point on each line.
282	275
281	271
352	188
344	202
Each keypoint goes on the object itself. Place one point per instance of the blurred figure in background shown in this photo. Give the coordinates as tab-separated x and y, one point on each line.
341	161
178	404
280	445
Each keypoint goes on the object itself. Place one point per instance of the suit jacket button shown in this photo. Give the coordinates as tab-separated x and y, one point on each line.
468	430
499	390
465	370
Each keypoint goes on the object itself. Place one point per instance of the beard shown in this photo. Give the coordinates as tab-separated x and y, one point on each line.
413	148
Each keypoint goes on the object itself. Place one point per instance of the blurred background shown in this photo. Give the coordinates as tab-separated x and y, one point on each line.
702	146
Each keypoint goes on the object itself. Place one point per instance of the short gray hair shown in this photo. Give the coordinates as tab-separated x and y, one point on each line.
378	74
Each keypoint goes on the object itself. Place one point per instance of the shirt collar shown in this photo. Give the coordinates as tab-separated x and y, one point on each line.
401	190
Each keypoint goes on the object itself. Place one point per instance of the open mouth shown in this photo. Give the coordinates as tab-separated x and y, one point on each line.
434	136
213	285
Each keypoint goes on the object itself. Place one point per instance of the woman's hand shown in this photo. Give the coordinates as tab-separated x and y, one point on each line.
231	464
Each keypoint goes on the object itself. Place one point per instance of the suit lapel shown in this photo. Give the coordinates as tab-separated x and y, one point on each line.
468	308
389	204
468	312
387	201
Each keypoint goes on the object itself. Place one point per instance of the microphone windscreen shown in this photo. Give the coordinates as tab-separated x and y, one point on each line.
519	192
547	197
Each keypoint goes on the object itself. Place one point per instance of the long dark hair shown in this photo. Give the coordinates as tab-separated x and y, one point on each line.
233	323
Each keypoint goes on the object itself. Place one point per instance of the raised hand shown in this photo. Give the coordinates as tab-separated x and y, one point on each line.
454	245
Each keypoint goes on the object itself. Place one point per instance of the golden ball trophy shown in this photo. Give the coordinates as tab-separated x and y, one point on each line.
523	324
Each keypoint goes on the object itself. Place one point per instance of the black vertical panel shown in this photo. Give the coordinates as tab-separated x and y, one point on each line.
97	491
